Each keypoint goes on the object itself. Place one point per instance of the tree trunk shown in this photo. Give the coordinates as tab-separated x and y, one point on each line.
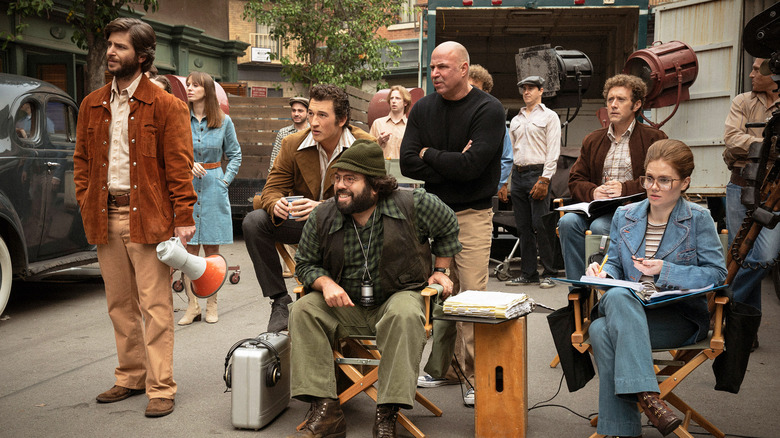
96	63
96	52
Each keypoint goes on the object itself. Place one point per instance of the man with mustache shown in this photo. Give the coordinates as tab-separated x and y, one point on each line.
133	174
370	235
752	107
609	166
302	168
454	142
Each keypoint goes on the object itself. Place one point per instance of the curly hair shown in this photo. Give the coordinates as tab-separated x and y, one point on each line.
634	83
335	94
141	35
480	74
383	185
164	81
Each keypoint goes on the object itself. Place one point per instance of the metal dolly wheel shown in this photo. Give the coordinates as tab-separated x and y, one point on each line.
502	270
235	277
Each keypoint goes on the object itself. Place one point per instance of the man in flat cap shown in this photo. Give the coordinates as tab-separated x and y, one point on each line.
536	145
369	235
299	106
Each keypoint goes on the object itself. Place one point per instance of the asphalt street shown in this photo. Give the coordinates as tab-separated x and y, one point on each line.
58	353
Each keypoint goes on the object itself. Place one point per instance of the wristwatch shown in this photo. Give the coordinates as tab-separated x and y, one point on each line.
442	270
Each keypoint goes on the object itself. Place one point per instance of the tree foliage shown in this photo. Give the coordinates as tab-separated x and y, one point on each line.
335	41
87	17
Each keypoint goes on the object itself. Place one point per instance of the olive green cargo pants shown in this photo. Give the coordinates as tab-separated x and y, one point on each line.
315	329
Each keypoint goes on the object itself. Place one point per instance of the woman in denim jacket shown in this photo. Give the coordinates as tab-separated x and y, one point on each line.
674	243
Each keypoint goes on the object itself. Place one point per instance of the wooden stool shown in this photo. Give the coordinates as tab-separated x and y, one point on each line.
500	362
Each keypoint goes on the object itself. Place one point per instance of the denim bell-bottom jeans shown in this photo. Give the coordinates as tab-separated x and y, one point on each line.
622	339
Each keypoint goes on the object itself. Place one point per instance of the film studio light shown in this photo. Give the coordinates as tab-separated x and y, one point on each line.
668	70
567	73
574	74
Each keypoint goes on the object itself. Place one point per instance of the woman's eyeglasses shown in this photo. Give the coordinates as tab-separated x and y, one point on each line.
664	183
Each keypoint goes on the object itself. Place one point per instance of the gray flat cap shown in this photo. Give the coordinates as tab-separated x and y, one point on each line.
302	100
536	81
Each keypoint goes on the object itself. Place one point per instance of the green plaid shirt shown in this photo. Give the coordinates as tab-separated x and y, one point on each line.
435	221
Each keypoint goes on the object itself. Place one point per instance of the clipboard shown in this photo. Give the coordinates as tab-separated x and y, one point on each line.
653	303
670	299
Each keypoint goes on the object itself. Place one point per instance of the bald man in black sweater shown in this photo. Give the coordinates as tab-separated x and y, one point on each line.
453	142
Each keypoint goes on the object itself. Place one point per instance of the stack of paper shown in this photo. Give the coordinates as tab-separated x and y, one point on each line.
482	304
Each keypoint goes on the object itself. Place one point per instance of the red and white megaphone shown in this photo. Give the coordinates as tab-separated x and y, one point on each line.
207	274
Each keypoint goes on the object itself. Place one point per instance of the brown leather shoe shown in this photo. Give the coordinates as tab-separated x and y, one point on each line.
159	407
325	419
117	393
384	424
658	412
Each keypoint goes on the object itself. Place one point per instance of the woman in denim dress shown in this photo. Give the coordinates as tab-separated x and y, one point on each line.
674	243
213	135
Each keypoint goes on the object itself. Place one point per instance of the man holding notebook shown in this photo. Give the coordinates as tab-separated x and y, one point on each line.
609	166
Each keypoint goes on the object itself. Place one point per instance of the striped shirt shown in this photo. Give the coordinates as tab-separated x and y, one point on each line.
653	236
284	132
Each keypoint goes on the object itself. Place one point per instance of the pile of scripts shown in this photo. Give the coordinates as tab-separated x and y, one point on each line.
495	305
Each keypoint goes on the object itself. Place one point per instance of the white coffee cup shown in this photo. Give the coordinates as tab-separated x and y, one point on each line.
290	200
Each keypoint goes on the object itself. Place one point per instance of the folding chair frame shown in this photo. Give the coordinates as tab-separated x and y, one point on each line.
684	360
365	347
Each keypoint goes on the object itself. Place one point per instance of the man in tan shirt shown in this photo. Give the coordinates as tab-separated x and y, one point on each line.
389	130
132	171
753	107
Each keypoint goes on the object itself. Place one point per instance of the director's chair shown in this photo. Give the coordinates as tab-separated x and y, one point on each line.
363	370
670	372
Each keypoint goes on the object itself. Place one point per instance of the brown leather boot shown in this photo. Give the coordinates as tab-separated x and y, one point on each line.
384	424
658	412
193	308
325	419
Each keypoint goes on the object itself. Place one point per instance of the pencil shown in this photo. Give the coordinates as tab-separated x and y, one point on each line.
602	264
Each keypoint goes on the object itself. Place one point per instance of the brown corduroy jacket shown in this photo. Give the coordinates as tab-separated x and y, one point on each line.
298	172
586	173
160	139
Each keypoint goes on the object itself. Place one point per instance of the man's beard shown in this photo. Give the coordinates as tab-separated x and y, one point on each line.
360	202
126	69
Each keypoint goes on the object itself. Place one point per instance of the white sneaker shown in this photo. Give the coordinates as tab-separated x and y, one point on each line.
468	399
428	381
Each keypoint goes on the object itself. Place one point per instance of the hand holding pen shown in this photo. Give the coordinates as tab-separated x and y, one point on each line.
595	270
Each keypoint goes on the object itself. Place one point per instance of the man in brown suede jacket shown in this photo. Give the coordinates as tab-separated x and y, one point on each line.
133	176
609	166
302	168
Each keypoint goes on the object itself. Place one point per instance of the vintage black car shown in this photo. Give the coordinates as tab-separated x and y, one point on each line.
40	225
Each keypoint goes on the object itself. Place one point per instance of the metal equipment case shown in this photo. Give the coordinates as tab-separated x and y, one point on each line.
260	380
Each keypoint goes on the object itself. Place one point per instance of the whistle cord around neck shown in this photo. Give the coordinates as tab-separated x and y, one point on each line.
367	249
